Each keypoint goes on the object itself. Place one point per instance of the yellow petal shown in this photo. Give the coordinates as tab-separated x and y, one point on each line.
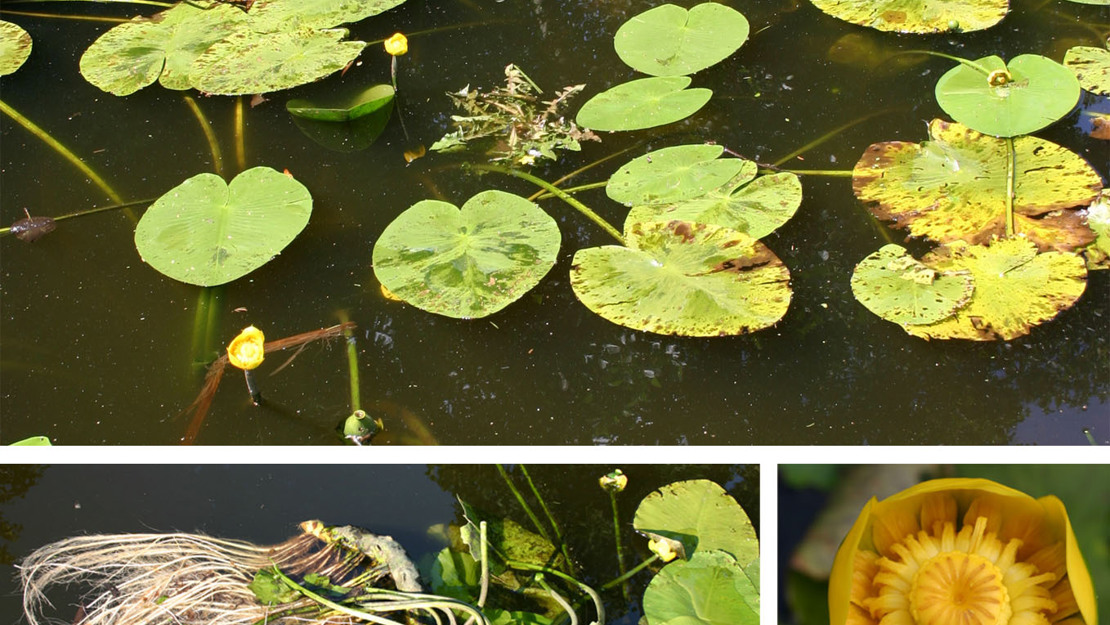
840	580
397	45
247	350
1078	577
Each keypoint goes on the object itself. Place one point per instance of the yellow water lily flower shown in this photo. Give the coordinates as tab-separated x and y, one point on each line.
613	482
246	351
961	552
397	45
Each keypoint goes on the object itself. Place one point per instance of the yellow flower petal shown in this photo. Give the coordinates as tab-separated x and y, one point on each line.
247	350
1078	576
397	45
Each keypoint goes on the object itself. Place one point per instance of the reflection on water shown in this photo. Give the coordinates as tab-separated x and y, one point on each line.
97	345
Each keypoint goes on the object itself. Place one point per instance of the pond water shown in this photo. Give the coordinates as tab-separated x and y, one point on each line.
97	345
264	505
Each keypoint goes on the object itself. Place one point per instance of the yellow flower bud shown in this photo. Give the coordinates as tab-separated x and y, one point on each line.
247	350
397	45
663	549
615	481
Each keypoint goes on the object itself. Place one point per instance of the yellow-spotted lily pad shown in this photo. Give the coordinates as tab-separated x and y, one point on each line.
898	288
756	206
15	47
668	40
672	174
1008	99
1016	288
918	16
643	103
278	14
954	186
1091	66
466	263
684	278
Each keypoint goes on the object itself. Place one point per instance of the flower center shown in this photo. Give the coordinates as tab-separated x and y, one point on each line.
959	588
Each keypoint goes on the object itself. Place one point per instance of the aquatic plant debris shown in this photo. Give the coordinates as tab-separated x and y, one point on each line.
15	47
953	187
643	103
918	16
669	40
469	262
684	278
897	287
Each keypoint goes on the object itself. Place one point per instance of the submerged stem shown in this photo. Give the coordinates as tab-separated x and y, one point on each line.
634	570
352	360
829	135
543	195
524	504
550	518
240	145
833	173
559	193
209	135
1011	167
617	538
91	211
962	61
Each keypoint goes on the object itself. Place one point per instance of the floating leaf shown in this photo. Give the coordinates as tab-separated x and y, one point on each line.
249	62
1007	100
277	14
709	589
643	103
467	263
342	109
673	174
1015	288
207	232
702	516
894	286
1091	66
754	206
134	54
918	16
34	441
670	41
953	186
15	47
683	278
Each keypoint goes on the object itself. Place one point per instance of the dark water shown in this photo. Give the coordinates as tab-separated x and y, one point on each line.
264	505
96	345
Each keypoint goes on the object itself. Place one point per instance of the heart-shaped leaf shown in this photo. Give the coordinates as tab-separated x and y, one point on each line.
709	589
207	232
670	41
684	278
672	174
898	288
467	263
15	47
643	103
702	516
1007	100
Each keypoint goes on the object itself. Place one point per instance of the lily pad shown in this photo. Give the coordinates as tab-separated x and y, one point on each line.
898	288
754	206
277	14
207	232
709	589
684	278
1091	66
702	516
15	47
643	103
467	263
918	16
953	186
1007	100
672	174
668	40
1016	288
335	110
248	62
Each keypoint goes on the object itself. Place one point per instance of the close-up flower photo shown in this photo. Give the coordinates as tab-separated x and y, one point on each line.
943	545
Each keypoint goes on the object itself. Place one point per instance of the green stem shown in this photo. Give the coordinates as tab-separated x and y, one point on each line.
1090	439
90	211
543	195
240	145
832	173
971	64
1011	167
524	504
558	599
516	564
485	564
205	325
550	519
352	361
338	607
559	193
829	135
617	538
636	569
209	135
62	151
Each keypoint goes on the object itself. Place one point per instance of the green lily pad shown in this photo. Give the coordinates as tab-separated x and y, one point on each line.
207	232
643	103
684	278
1091	66
702	516
898	288
467	263
668	40
277	14
709	589
953	186
15	47
134	54
1007	100
34	441
1016	288
672	174
249	62
918	16
754	206
335	110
